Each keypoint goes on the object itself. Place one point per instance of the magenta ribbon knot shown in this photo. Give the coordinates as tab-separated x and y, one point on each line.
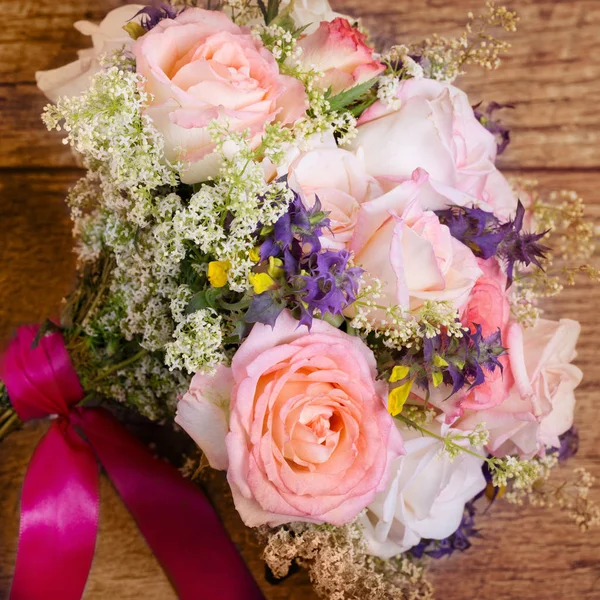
60	500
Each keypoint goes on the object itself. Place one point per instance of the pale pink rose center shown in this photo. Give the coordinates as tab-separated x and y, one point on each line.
316	422
342	208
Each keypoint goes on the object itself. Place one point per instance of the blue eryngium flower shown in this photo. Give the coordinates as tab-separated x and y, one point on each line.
494	126
153	15
486	236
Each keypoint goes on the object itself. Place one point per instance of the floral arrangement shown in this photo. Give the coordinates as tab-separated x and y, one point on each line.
301	251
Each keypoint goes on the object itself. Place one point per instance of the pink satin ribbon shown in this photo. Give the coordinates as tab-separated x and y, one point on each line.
60	500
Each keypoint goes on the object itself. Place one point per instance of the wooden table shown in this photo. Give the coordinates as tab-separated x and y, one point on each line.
552	74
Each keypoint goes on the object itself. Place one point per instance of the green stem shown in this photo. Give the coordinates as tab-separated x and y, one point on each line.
118	367
446	441
88	311
10	423
6	414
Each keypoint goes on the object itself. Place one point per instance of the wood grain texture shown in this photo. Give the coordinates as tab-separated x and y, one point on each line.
553	76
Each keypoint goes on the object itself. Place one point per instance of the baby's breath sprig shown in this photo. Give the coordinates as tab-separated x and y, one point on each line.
444	58
571	235
569	495
522	474
454	442
398	328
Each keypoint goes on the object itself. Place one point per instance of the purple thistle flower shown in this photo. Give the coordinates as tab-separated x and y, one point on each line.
298	230
494	126
153	15
330	285
468	359
315	280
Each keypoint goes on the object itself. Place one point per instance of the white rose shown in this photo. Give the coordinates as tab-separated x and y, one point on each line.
310	13
425	496
434	129
73	79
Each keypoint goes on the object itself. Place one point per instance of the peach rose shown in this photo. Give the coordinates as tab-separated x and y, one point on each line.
410	251
341	53
200	67
338	179
434	129
309	437
540	406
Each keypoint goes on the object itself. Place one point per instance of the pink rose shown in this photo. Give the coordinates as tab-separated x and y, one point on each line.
309	438
434	129
410	251
488	306
540	405
340	182
200	67
339	51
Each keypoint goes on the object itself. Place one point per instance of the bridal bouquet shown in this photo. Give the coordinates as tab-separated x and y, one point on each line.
301	250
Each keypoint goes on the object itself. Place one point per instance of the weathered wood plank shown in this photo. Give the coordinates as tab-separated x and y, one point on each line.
552	72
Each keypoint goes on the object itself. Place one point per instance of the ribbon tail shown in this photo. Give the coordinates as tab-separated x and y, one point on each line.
173	515
59	518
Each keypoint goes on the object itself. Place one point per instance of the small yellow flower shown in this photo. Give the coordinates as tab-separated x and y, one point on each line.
217	272
397	398
275	269
438	361
437	378
261	282
398	372
254	254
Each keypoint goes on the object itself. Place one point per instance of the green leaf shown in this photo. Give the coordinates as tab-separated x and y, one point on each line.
437	377
263	9
264	309
285	21
135	30
270	11
203	299
359	109
348	97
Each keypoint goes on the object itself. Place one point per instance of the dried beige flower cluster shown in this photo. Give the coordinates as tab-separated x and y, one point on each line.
338	565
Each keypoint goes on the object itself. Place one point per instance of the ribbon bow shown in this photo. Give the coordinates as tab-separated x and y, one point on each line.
60	499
